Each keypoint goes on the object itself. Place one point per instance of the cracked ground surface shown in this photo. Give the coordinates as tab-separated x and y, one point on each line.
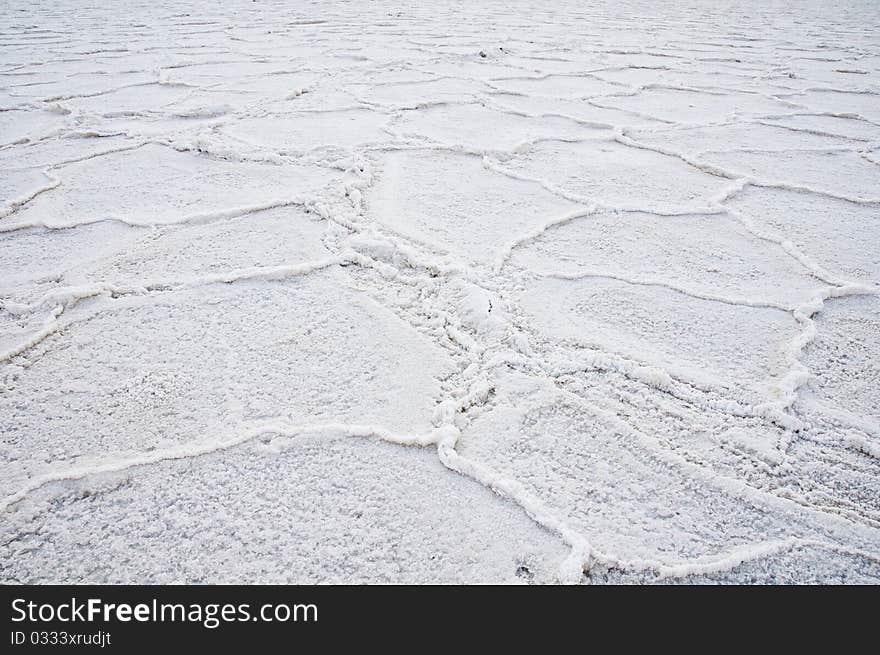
458	292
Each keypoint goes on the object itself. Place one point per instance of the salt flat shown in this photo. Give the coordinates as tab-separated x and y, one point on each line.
458	292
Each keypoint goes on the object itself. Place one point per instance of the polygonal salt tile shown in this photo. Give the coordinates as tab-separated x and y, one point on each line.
850	128
580	110
451	201
23	125
834	233
134	100
421	93
709	254
840	102
840	174
683	106
667	329
155	185
275	237
559	86
617	175
844	361
342	510
18	186
695	140
302	132
480	128
28	256
182	367
618	489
